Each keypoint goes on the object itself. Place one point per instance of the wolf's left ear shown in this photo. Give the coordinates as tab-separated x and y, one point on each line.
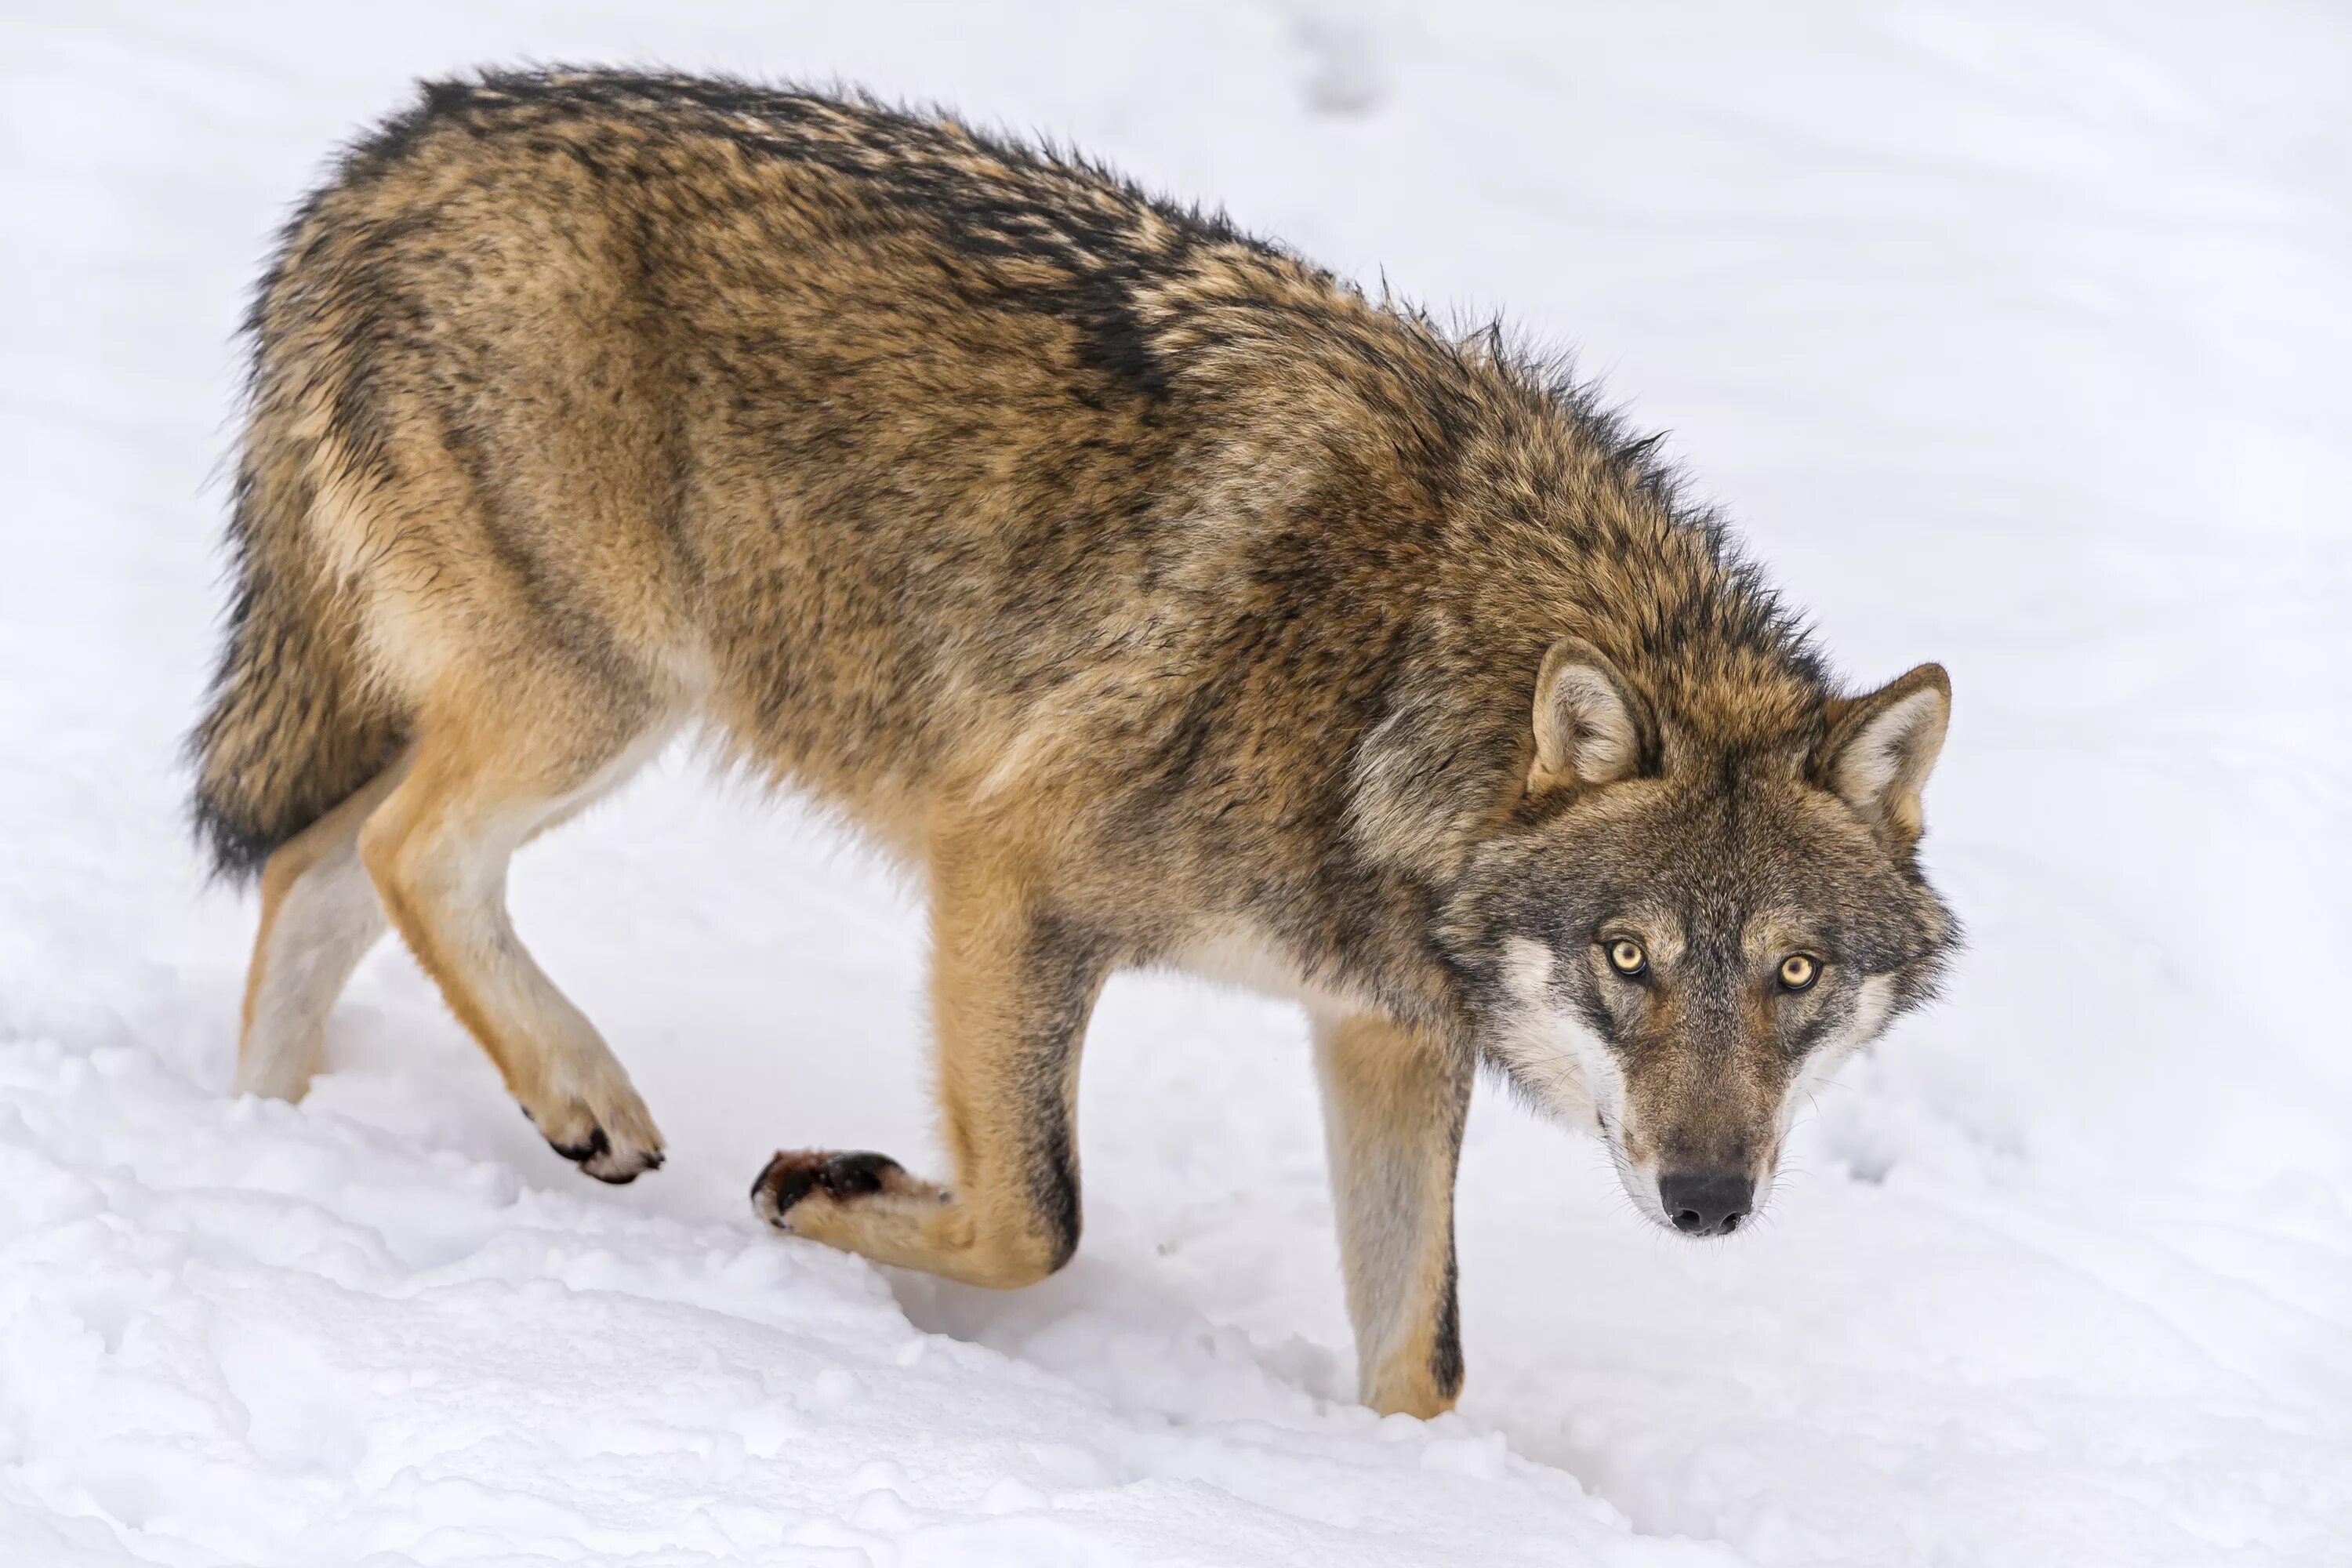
1880	747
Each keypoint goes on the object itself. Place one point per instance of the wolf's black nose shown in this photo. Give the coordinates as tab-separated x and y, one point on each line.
1706	1203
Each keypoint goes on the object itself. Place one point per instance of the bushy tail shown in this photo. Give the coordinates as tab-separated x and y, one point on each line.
292	729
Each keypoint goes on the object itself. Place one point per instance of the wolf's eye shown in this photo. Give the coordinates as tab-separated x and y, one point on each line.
1799	971
1626	956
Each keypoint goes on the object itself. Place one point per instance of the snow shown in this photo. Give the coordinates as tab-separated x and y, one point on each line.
2014	336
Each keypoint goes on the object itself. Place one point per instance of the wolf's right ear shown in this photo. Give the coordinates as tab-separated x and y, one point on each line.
1586	732
1881	747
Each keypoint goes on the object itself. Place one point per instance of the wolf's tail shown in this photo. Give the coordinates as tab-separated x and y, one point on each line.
293	727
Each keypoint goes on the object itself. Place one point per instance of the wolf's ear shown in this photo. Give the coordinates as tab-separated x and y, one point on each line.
1587	733
1881	747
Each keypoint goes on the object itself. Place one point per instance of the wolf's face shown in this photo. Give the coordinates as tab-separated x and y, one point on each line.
1673	960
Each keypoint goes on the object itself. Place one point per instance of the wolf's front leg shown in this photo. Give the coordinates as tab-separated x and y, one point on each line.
1393	1104
1011	989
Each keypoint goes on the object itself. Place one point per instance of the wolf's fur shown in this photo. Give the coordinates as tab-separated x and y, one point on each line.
1160	597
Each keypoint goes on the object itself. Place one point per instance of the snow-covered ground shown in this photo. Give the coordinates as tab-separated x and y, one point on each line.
2015	335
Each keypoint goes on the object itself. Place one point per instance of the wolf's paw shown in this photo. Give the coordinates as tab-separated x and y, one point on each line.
797	1175
608	1132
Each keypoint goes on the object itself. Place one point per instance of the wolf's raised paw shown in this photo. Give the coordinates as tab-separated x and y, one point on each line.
795	1173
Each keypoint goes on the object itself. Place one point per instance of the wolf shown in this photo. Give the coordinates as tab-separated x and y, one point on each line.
1152	595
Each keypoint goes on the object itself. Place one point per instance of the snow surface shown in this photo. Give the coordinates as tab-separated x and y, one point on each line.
2014	332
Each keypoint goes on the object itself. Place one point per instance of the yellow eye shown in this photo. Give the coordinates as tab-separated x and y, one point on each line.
1626	955
1799	971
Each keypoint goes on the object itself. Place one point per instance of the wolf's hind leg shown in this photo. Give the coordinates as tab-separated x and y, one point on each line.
485	778
319	915
1011	990
1393	1105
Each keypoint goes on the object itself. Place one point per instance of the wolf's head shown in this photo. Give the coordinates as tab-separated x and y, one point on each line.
1679	936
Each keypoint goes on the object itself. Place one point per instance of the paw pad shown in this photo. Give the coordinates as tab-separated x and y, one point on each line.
793	1174
597	1148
